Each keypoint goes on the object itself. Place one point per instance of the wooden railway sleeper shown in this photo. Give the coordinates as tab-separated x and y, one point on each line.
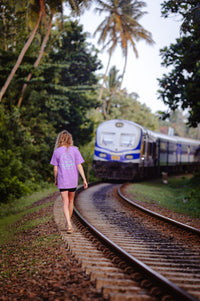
176	291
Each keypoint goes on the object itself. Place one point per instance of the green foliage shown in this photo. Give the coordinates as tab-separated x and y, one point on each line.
66	85
188	9
62	94
15	155
7	61
12	212
119	104
180	88
123	105
13	26
59	96
87	152
180	195
178	122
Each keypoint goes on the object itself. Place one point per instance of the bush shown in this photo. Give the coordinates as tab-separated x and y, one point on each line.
12	188
15	156
87	151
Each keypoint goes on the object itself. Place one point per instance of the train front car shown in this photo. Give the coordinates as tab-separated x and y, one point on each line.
117	150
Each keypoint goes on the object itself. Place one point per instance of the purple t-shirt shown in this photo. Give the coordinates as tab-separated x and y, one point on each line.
67	161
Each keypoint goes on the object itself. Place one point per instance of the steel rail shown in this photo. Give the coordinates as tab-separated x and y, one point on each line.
167	286
157	215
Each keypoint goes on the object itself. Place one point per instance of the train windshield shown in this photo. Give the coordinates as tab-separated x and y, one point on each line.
127	140
107	138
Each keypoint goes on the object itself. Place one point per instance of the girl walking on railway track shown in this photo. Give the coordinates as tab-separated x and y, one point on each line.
67	161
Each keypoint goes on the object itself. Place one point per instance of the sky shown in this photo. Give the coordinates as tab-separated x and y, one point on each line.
142	72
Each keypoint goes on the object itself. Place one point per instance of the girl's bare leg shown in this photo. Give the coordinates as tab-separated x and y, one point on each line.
65	198
71	203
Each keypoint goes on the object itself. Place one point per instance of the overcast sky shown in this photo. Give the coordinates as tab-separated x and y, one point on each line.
141	73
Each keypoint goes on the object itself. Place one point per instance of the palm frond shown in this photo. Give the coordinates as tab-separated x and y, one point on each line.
121	26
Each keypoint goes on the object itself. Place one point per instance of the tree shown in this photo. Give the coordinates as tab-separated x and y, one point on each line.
180	88
112	88
63	91
38	8
127	106
40	13
59	96
41	52
16	152
54	6
121	105
121	26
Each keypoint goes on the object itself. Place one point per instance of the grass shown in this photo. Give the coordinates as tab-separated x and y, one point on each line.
181	194
34	223
12	213
21	204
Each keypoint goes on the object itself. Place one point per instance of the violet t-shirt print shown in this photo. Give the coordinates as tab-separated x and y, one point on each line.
66	160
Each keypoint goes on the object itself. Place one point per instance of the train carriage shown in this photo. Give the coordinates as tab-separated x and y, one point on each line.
125	150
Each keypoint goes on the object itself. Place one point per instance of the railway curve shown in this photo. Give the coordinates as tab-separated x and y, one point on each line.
141	249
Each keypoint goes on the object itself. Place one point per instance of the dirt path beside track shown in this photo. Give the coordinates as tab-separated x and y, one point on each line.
37	266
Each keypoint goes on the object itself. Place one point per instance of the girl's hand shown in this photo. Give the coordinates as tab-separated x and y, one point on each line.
85	184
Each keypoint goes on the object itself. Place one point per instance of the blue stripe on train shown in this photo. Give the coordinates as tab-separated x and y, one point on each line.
116	157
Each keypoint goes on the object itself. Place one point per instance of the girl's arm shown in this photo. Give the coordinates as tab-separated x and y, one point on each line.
55	171
81	171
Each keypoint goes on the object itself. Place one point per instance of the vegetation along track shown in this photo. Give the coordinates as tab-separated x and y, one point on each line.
149	259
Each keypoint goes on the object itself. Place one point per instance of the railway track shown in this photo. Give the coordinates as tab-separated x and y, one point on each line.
131	254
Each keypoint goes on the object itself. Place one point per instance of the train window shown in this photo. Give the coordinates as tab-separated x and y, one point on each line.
127	140
163	147
107	138
184	149
151	150
172	147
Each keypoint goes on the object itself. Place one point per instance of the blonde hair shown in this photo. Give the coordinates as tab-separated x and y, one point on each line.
64	139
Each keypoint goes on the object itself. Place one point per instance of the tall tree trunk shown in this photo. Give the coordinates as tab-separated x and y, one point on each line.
41	52
20	58
104	77
125	64
111	97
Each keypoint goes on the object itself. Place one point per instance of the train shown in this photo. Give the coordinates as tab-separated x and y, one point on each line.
125	150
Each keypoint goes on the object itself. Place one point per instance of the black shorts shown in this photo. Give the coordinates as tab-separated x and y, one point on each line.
68	189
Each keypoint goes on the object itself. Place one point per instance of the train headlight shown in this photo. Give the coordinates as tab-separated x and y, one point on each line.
102	155
129	157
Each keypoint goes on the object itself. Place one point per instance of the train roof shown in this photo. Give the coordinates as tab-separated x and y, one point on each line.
153	135
112	121
176	139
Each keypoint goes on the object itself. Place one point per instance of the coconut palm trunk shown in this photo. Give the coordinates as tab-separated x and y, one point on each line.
104	77
125	64
37	60
21	56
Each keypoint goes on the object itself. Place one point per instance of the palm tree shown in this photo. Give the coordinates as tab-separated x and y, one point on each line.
39	7
113	87
41	52
54	6
34	10
121	26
